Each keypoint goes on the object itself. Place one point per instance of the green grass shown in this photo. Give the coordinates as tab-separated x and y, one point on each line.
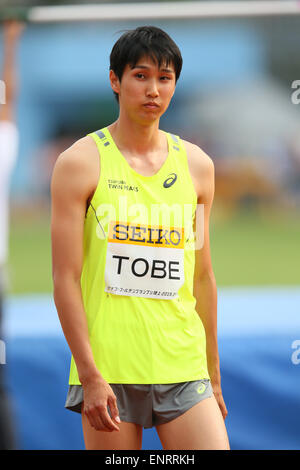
258	249
29	261
254	248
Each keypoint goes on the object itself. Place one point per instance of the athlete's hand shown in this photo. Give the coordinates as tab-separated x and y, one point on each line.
220	400
98	394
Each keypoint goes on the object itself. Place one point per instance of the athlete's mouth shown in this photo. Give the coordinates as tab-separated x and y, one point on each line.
151	105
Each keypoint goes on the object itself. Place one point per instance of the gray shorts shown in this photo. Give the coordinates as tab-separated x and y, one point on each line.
149	405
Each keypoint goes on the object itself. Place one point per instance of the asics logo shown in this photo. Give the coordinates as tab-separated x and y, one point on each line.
172	177
201	389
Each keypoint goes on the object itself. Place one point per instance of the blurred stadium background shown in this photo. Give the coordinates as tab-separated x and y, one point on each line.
234	99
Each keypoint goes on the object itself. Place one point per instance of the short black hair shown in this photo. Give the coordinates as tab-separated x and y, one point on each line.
144	41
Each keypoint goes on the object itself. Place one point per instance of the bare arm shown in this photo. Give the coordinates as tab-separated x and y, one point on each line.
68	207
11	34
70	189
205	289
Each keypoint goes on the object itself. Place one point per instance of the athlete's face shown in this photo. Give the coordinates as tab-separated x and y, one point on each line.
145	90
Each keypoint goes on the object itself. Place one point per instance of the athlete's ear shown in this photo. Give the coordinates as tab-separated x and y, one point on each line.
114	82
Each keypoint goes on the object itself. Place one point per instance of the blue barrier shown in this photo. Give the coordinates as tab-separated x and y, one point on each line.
258	333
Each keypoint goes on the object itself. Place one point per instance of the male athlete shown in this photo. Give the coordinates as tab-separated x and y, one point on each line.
136	299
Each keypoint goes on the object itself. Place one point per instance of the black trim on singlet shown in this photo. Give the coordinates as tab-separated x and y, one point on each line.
102	137
98	220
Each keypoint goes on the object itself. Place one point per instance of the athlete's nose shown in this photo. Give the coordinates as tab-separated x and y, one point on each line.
152	90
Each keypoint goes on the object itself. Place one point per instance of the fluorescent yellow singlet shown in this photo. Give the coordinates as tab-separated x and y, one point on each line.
138	268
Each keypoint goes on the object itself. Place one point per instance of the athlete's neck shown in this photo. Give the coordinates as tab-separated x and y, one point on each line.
135	138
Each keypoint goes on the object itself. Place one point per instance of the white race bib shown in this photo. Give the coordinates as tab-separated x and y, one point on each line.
144	260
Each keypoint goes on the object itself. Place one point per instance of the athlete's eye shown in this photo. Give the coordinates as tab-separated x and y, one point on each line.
165	77
140	75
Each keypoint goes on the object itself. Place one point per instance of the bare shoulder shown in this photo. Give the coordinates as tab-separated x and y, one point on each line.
78	168
201	168
80	156
197	157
